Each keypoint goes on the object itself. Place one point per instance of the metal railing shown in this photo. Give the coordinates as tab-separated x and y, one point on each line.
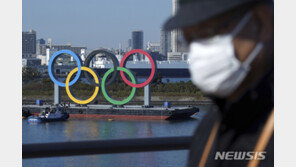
105	146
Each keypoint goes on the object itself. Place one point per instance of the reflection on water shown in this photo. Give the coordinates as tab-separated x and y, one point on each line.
93	129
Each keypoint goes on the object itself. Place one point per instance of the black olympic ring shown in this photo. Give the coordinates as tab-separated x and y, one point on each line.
115	65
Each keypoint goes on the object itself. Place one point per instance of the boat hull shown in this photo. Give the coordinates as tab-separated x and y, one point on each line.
37	119
125	113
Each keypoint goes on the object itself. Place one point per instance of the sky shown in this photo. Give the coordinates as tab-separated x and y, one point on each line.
95	23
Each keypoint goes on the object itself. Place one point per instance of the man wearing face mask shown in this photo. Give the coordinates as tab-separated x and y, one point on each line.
231	61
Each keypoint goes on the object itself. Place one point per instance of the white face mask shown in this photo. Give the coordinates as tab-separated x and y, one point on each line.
213	65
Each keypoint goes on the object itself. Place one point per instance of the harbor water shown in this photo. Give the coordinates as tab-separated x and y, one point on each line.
94	129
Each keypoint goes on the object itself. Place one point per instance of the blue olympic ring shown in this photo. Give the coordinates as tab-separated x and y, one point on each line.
50	66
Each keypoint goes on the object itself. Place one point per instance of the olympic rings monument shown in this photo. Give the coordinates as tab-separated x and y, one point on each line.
96	82
117	109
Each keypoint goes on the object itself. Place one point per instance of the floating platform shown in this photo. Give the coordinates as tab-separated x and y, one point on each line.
121	112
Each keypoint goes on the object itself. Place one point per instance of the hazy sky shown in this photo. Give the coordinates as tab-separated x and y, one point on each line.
95	23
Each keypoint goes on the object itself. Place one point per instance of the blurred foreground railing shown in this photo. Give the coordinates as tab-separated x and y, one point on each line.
105	146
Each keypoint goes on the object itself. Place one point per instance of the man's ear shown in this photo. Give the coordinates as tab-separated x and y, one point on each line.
265	18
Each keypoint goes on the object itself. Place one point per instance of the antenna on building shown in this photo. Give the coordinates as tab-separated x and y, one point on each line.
119	48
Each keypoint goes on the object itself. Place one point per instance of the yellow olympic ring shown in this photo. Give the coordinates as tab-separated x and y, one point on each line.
68	89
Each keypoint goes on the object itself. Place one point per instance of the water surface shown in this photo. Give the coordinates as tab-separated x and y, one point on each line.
93	129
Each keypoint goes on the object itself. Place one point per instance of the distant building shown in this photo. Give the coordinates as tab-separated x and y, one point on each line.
129	45
41	50
49	53
41	41
153	46
79	51
165	42
156	56
75	49
48	49
177	56
138	43
29	44
31	62
43	59
39	44
137	40
175	32
177	47
49	42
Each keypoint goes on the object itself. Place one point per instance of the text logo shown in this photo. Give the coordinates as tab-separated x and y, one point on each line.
239	155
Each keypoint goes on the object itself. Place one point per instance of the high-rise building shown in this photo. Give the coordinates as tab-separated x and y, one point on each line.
138	43
29	44
165	42
39	48
174	32
137	40
177	47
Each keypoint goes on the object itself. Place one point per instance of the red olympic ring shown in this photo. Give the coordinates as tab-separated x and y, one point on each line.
152	68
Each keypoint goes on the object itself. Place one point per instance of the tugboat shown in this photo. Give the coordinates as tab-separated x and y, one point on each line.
50	115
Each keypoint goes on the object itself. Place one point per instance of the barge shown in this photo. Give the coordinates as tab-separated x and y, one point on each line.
121	112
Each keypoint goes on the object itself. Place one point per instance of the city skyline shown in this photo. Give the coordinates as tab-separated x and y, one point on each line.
116	29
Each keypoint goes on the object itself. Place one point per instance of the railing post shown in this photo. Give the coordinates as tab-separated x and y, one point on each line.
147	95
57	94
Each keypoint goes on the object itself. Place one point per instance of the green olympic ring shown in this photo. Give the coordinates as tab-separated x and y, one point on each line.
104	91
